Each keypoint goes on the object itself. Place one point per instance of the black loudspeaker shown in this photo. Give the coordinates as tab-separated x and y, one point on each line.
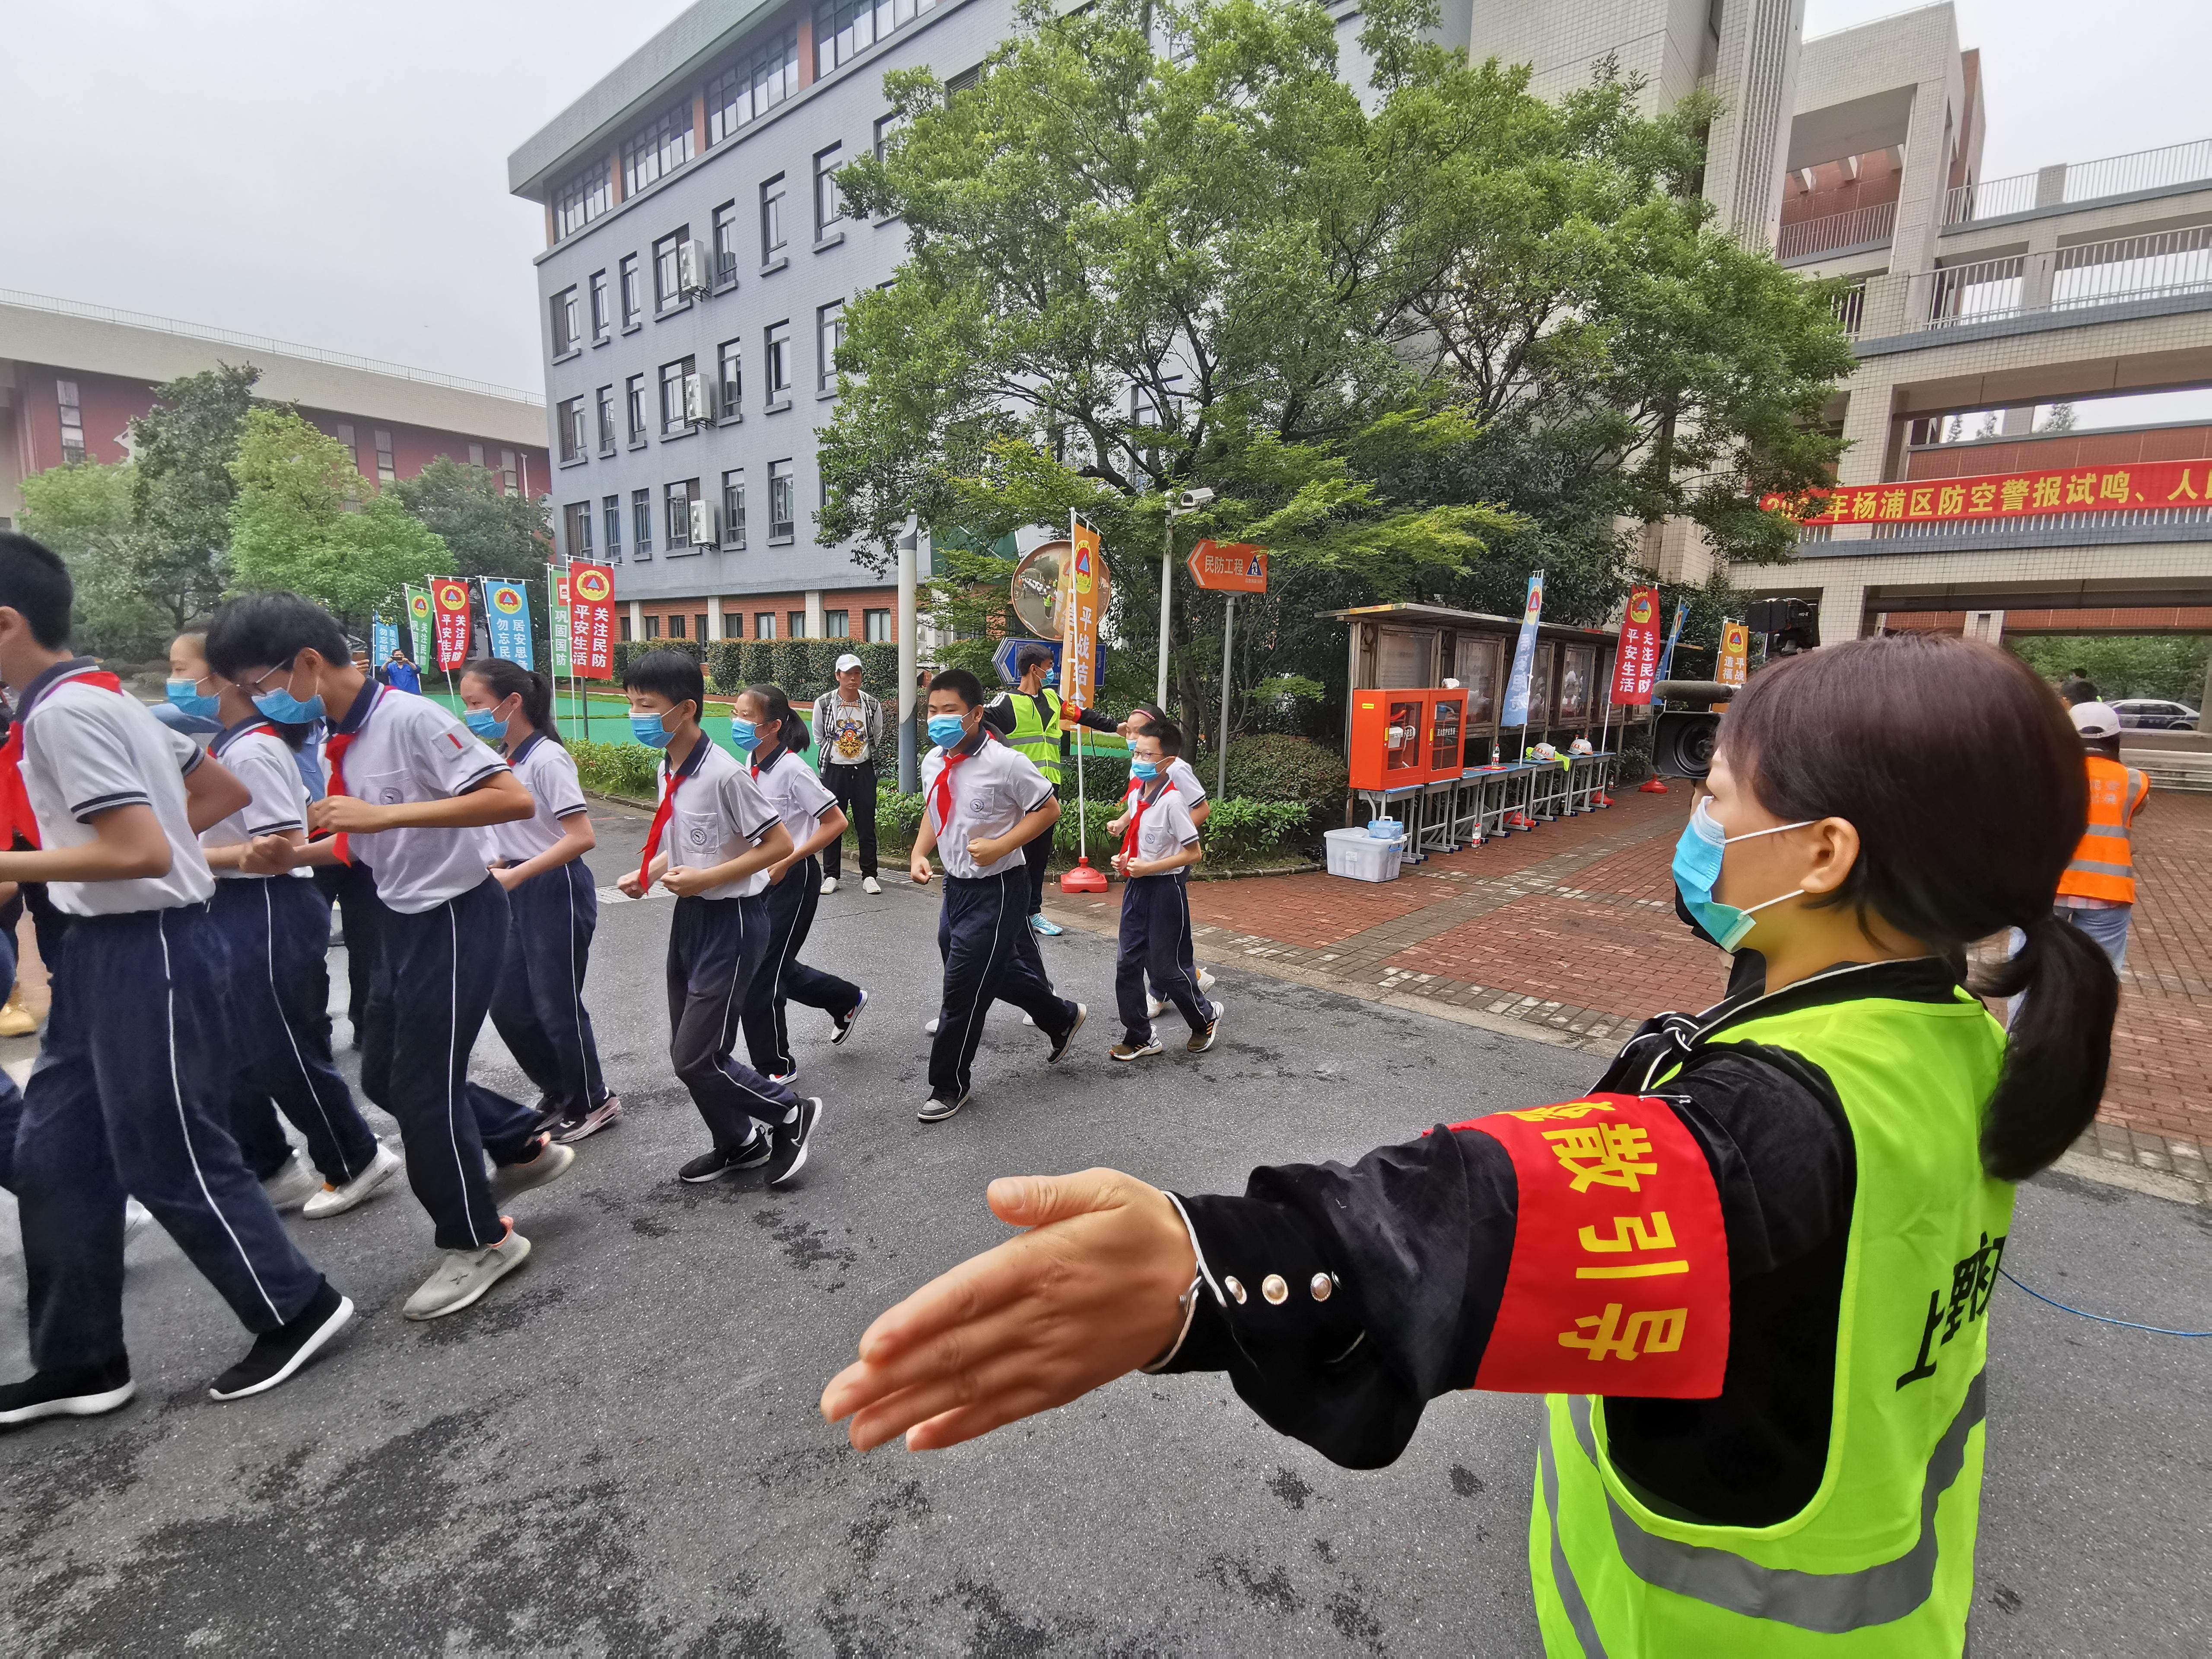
1682	745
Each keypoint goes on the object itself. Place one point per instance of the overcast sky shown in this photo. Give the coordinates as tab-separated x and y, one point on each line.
338	175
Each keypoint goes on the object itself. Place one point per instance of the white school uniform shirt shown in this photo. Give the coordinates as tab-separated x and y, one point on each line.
789	786
88	750
266	765
1185	781
548	772
719	813
994	789
408	749
1165	828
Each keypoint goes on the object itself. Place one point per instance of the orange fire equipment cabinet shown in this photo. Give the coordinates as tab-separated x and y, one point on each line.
1390	730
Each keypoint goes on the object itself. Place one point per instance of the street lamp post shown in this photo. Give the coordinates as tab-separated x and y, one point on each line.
1187	501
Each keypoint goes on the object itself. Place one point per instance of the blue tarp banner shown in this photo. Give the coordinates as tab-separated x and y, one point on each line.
1524	655
383	639
506	617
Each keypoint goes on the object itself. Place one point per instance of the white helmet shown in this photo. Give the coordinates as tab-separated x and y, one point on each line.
2096	719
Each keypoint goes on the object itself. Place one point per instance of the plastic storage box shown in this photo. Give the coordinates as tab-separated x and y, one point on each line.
1359	856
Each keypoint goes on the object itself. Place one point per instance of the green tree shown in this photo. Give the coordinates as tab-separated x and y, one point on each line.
84	514
488	532
2171	665
304	519
182	489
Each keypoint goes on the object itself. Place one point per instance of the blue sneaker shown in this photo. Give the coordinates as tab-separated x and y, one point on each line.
1046	928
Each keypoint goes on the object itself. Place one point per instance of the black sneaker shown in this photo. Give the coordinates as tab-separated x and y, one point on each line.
549	1116
276	1354
791	1140
712	1165
586	1124
845	1025
1066	1039
70	1391
934	1111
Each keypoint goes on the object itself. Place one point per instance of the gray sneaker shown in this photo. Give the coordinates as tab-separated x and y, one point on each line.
1201	1040
551	1163
292	1186
463	1276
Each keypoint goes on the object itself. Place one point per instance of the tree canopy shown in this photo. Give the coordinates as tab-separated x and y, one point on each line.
488	532
84	514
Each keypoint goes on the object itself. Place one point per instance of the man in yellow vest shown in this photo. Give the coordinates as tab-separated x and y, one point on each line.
2097	894
1028	720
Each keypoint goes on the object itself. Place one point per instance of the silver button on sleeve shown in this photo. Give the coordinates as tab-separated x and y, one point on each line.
1321	1286
1274	1289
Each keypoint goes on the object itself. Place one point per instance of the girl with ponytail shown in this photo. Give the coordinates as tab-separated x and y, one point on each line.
1752	1270
538	1006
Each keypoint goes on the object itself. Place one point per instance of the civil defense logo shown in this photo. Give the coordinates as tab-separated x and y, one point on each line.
418	604
507	600
591	585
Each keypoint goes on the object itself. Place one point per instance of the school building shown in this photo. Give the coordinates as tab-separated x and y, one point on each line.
72	375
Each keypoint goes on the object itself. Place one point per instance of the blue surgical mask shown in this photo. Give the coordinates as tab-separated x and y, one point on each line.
185	697
946	731
280	706
743	734
1143	769
485	723
1698	867
648	730
1052	677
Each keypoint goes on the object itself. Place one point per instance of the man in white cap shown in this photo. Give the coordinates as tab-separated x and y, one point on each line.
848	730
2097	894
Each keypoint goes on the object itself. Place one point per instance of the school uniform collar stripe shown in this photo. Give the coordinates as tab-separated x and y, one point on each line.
356	717
763	761
522	753
231	734
692	762
35	692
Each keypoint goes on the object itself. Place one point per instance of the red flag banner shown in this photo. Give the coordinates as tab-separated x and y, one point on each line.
2005	495
449	599
1635	666
592	621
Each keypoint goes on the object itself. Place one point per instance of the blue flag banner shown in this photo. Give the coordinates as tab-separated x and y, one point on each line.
1524	655
1673	633
383	639
506	617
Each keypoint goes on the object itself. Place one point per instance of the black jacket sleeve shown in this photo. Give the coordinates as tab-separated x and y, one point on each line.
999	714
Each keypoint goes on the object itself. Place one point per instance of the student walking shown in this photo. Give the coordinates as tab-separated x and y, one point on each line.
1158	846
537	1007
848	729
713	839
813	820
277	930
124	1098
1190	794
409	787
984	803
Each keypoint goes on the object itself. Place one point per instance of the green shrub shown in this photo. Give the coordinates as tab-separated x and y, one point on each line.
1066	835
618	769
1236	831
898	816
626	651
1277	767
726	672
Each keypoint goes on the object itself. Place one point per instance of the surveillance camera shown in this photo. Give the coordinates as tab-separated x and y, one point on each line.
1191	499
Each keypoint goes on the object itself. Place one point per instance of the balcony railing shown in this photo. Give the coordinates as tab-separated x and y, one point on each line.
2065	184
1851	308
1834	230
2124	268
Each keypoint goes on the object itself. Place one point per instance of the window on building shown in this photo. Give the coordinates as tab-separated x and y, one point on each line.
774	240
764	625
641	523
581	199
733	508
887	128
698	624
845	28
963	81
652	628
606	409
878	623
782	508
634	405
775	361
353	450
730	380
568	329
476	454
679	497
633	297
568	422
610	514
828	205
672	419
760	80
837	625
676	625
725	243
667	269
602	322
798	621
657	149
385	471
577	522
624	623
507	479
1145	408
828	335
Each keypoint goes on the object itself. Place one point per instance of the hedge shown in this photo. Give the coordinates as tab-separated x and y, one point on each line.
618	769
1237	830
1277	767
803	668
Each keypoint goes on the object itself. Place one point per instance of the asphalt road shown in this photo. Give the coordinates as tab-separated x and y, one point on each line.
618	1451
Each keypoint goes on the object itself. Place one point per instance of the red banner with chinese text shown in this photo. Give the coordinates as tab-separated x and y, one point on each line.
2009	494
592	621
449	601
1636	664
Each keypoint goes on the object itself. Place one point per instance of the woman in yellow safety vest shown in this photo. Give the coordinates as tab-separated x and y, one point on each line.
1751	1271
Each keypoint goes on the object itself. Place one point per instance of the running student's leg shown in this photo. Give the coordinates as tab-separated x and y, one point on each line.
249	1114
158	1037
971	931
482	923
768	1039
369	934
1130	957
1174	979
810	986
514	1003
1037	853
557	982
722	948
861	788
1020	977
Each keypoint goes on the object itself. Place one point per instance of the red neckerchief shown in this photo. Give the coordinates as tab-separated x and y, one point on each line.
774	756
334	746
941	793
16	818
1137	815
673	780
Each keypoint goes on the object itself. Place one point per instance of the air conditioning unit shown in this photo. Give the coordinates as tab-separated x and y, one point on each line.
695	267
698	401
706	530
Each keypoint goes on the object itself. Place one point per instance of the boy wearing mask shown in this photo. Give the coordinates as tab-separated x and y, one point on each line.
1158	846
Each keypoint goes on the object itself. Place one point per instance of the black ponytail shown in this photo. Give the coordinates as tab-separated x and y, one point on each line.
511	679
791	731
1966	783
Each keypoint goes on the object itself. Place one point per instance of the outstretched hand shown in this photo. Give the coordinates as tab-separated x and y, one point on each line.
1090	1292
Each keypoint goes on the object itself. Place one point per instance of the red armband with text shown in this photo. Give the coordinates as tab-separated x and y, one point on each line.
1619	1278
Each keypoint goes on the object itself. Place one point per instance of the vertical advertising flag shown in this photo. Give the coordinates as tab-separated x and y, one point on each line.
383	639
419	630
506	619
1735	652
449	599
1674	638
592	621
1524	655
557	618
1081	577
1635	666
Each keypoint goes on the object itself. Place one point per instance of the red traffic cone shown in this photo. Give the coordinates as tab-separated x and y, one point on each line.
1651	786
1082	878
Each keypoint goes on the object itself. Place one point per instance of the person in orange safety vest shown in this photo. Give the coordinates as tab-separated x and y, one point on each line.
2097	894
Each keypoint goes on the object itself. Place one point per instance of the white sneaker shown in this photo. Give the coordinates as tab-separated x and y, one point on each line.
931	1028
336	1201
463	1276
829	885
135	1216
292	1186
869	885
1205	980
1029	1019
1155	1006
